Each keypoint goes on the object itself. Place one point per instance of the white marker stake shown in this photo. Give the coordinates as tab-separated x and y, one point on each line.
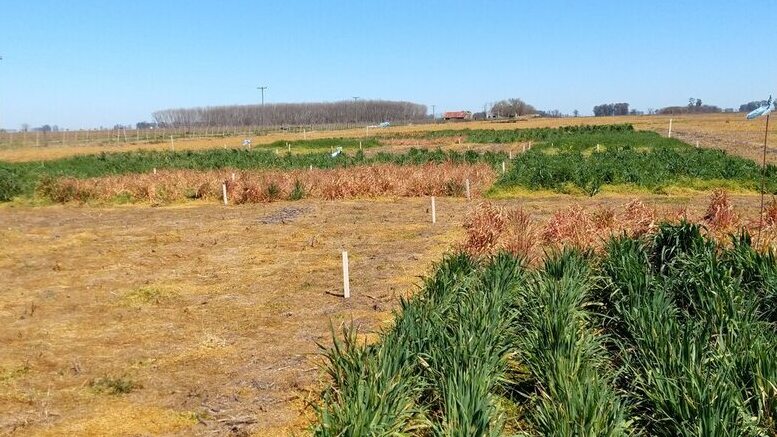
360	145
346	279
434	212
311	167
224	192
466	186
524	148
289	144
510	155
670	128
172	145
503	167
154	170
697	144
233	177
597	147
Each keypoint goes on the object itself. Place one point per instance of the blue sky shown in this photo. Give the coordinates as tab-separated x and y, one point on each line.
95	63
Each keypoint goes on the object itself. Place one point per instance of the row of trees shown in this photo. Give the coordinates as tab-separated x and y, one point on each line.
277	114
610	109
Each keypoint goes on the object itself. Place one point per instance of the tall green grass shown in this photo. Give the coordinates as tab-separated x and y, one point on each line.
667	335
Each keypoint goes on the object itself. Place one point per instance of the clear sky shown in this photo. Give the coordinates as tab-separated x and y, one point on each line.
96	63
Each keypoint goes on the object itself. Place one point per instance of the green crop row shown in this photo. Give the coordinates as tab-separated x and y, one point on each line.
666	335
22	178
517	135
643	159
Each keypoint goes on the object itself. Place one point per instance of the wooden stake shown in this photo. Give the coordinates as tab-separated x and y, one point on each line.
510	155
224	192
503	167
289	145
346	279
466	186
233	177
154	170
172	144
360	145
670	128
434	212
524	148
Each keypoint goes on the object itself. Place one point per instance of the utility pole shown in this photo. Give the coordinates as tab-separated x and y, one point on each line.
261	114
355	99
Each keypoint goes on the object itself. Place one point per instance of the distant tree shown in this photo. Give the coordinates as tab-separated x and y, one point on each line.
698	103
751	106
576	113
145	125
610	109
512	108
25	127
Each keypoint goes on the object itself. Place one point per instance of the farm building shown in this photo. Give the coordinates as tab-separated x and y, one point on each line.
457	115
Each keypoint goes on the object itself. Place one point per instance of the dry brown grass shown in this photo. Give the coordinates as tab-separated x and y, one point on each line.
211	315
491	228
267	186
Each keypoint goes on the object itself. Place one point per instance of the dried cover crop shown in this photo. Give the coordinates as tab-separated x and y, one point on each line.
491	228
447	179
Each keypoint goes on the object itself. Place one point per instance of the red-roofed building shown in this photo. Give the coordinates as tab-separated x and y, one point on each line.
457	115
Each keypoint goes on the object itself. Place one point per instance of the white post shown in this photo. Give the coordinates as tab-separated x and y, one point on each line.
524	148
697	144
289	144
224	192
311	167
360	145
346	279
510	155
172	144
434	212
304	134
670	128
233	177
597	147
466	186
503	167
154	170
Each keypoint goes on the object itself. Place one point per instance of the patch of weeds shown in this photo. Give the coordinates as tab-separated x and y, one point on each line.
149	295
114	385
6	375
298	192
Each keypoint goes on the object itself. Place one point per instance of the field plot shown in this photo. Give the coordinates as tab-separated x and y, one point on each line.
730	132
196	318
199	318
664	333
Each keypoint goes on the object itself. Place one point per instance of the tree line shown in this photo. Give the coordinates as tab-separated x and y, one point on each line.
279	114
610	109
